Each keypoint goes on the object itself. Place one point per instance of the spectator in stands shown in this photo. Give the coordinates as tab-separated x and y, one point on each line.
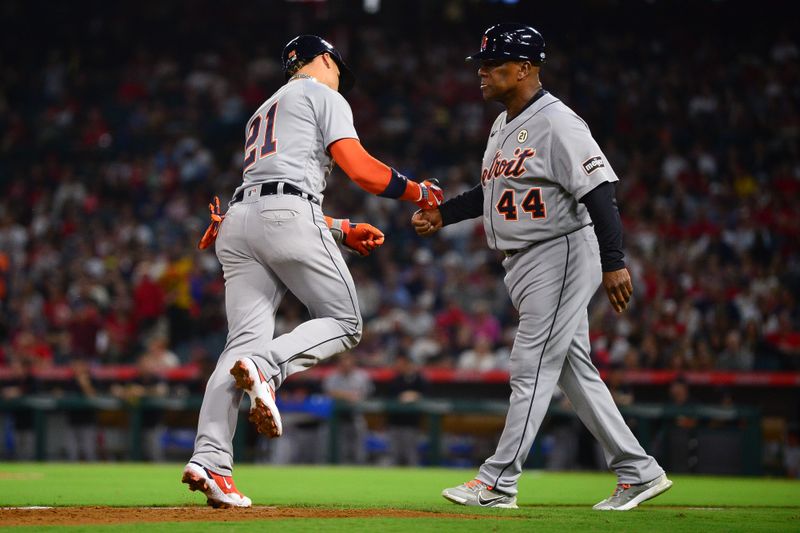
562	435
619	389
83	329
22	383
148	299
482	323
349	386
702	359
673	443
407	387
791	453
306	443
735	356
118	334
158	358
151	382
451	318
679	398
31	350
784	339
81	441
480	357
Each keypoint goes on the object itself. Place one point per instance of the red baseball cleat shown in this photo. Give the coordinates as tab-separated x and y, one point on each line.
263	410
219	490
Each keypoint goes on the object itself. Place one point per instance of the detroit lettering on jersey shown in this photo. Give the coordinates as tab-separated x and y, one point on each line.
535	170
509	168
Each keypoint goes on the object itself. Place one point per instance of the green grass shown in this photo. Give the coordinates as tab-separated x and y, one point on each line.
549	501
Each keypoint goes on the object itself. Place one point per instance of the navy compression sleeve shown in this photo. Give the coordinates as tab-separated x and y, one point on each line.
465	205
602	205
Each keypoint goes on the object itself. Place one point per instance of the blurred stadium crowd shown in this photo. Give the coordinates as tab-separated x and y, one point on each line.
113	141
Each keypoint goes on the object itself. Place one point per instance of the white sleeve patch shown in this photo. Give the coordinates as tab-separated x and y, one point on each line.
592	164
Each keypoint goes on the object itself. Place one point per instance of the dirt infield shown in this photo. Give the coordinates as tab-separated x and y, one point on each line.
77	516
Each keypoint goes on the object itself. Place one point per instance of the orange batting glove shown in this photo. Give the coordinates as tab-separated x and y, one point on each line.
210	236
360	237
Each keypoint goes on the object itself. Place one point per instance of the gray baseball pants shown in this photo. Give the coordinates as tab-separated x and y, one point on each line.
550	284
267	245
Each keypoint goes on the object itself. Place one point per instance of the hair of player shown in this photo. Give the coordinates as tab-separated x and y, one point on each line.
297	66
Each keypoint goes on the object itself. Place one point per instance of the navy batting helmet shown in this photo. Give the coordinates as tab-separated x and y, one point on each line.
511	42
307	47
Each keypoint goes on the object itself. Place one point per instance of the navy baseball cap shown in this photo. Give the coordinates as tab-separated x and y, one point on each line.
511	41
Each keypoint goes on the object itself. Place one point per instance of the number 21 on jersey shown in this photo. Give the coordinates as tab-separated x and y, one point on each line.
269	144
532	203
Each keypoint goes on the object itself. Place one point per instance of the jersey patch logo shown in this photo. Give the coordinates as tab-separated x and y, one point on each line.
522	136
592	164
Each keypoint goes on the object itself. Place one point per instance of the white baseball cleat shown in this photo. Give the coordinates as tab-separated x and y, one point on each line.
220	490
263	410
628	496
476	493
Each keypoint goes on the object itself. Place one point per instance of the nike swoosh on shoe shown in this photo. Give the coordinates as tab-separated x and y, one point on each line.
484	503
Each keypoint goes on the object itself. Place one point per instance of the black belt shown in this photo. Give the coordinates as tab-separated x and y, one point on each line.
511	253
272	188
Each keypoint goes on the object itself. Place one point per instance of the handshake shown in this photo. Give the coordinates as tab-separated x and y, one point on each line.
431	195
363	238
428	220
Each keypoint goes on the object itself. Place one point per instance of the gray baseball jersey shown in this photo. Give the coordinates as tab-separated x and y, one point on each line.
535	169
288	136
277	242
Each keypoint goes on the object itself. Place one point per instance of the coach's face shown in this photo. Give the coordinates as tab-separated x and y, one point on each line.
500	79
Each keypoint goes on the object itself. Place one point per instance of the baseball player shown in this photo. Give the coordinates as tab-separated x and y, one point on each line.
275	237
547	198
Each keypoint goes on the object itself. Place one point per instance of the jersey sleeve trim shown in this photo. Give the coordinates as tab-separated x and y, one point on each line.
330	144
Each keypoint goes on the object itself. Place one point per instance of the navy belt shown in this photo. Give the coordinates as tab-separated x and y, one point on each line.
271	187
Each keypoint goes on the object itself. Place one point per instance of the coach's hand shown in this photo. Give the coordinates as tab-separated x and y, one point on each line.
619	288
427	222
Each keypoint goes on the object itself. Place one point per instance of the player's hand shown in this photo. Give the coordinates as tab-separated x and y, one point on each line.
362	238
427	222
212	230
619	288
432	195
